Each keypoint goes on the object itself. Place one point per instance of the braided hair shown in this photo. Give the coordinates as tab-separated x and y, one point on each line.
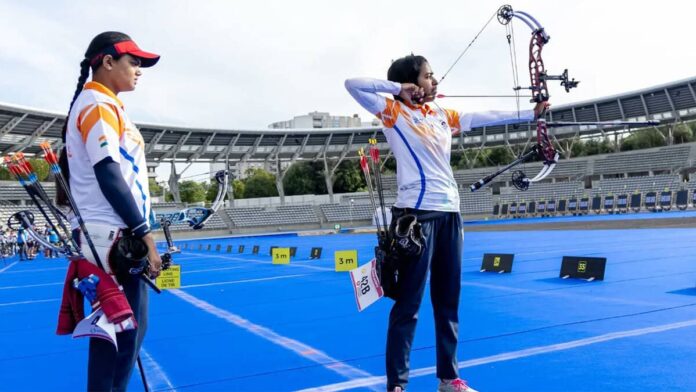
92	60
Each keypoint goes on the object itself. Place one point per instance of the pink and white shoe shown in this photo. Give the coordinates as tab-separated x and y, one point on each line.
456	385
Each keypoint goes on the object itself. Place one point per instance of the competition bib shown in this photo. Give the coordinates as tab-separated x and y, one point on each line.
366	285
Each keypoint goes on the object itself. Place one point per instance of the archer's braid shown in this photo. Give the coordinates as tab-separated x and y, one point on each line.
61	196
84	74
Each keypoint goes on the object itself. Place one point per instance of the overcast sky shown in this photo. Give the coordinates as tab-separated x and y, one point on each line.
245	64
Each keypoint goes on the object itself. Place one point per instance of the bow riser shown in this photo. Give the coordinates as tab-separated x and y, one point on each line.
537	71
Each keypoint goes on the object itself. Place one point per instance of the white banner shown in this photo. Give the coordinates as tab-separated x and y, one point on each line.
366	285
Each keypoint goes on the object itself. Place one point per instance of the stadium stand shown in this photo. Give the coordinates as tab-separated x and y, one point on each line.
475	203
23	129
167	206
664	158
542	191
7	210
347	213
637	184
389	183
214	223
272	216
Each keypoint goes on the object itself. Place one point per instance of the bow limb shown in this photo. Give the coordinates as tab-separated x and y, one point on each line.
538	87
222	179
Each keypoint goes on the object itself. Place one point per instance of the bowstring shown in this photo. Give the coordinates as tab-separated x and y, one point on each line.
512	46
468	46
513	62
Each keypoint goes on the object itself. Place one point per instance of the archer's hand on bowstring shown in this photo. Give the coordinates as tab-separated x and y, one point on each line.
412	93
153	257
541	108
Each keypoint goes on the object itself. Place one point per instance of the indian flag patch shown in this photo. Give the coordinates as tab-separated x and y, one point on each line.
103	141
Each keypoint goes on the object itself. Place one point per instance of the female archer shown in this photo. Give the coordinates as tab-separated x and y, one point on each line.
420	137
104	163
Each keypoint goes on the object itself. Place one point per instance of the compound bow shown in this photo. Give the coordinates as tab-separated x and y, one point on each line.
196	217
543	149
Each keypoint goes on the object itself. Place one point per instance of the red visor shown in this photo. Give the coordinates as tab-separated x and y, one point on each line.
147	59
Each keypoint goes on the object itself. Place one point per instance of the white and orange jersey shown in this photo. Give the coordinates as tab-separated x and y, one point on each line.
98	127
421	140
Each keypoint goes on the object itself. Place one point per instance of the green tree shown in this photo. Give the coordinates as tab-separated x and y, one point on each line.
682	133
455	158
238	189
211	191
348	178
40	167
594	147
318	168
500	156
155	188
259	183
191	191
302	178
577	149
472	158
5	174
646	138
390	165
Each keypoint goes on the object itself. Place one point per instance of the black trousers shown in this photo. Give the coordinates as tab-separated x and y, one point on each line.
442	256
109	370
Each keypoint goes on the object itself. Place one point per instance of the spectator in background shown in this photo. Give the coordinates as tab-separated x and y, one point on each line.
22	244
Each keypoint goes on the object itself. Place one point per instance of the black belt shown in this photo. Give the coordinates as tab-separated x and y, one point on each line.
421	215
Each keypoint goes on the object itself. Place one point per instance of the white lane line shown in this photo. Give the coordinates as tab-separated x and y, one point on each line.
241	281
157	379
381	380
211	269
296	265
8	267
303	350
31	285
37	301
189	286
559	294
38	270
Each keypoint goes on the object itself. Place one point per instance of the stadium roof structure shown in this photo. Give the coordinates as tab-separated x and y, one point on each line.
23	129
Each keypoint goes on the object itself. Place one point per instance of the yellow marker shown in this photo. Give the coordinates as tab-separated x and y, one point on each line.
281	255
346	260
582	266
170	278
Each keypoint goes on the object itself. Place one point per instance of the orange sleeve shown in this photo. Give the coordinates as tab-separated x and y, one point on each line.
390	114
452	118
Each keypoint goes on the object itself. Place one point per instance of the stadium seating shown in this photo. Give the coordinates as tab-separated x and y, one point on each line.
543	191
272	216
480	202
346	213
633	184
665	158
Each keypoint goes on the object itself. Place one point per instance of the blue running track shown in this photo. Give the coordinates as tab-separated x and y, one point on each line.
240	323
